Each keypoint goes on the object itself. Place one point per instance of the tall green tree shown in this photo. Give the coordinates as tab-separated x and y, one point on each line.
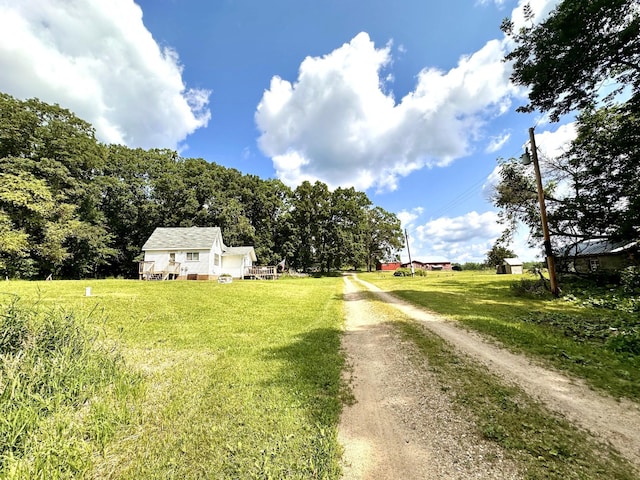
585	57
600	197
383	237
497	254
346	230
176	201
26	204
566	59
516	196
266	203
605	163
127	203
48	149
310	215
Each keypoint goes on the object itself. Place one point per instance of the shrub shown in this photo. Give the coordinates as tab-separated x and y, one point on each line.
625	342
529	288
406	272
630	279
474	266
533	267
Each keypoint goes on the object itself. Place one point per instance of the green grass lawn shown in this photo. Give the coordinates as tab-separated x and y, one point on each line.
578	339
243	380
240	380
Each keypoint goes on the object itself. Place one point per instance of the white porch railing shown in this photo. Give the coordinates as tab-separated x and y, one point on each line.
262	273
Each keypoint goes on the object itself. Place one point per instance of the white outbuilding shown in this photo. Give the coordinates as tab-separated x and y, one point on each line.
510	266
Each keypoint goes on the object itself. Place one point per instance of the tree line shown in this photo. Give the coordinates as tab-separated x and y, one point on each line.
583	59
72	207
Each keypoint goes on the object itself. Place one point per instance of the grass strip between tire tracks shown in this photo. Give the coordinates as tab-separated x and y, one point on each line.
536	326
544	444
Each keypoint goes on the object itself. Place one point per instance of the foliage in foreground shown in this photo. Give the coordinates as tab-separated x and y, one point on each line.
63	393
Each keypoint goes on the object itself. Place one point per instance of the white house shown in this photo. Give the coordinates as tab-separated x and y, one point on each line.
192	253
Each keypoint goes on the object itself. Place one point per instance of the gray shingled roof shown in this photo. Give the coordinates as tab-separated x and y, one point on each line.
599	247
174	238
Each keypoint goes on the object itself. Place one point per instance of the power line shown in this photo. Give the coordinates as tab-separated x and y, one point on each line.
462	197
474	188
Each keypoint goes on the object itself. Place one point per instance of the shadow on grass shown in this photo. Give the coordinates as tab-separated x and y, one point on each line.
311	372
490	301
509	320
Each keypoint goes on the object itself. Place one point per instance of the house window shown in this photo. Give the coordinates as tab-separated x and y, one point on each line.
172	257
193	256
594	264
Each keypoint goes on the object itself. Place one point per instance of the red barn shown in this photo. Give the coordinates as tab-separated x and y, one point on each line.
388	266
431	263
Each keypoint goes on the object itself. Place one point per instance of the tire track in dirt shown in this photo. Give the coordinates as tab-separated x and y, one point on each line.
613	421
402	425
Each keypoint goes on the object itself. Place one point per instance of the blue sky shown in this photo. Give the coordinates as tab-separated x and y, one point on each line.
407	100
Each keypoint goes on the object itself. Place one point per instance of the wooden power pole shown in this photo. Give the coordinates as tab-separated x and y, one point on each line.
406	236
551	264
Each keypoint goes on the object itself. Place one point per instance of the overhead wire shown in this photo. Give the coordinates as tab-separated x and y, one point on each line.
474	188
462	197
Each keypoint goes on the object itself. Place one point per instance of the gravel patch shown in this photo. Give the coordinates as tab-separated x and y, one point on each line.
402	424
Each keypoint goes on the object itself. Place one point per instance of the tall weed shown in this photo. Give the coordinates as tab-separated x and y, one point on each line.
62	391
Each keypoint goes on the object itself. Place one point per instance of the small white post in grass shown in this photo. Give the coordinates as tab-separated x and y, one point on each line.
87	292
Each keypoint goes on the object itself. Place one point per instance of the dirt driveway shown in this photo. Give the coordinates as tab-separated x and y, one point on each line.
402	424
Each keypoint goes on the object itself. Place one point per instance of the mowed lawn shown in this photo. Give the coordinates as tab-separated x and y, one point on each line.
241	380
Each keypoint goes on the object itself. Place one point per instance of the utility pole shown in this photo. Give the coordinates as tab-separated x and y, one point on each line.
551	264
406	236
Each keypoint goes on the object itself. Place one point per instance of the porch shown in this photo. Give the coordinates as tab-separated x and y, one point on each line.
147	271
261	273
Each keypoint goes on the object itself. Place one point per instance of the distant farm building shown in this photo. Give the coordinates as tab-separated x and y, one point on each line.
193	253
430	263
510	266
601	255
388	266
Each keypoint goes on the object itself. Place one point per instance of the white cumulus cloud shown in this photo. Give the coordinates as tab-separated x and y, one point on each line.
498	142
97	59
554	143
498	3
407	217
470	226
465	238
337	122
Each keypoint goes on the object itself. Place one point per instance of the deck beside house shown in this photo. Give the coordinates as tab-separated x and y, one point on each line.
262	273
147	271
